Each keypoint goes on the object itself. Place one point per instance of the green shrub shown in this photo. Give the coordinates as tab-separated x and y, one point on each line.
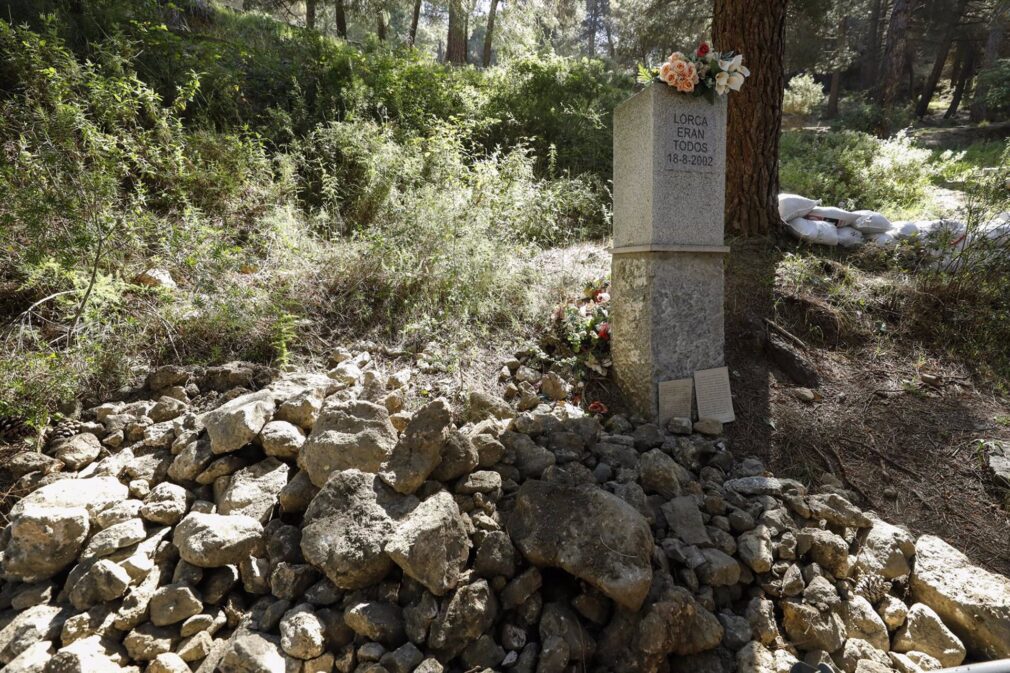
859	112
996	81
858	170
803	96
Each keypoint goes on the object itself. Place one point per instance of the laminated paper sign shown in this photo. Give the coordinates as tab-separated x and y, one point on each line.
714	398
675	399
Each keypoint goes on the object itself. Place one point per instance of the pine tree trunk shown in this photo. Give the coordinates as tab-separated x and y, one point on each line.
592	25
993	43
967	72
414	20
340	17
922	107
836	76
380	26
893	85
310	14
455	44
756	29
489	35
871	60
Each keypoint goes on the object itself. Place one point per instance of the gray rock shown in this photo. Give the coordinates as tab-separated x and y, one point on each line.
378	621
235	423
297	493
403	659
658	474
828	550
459	457
253	491
419	449
588	532
430	544
94	495
193	459
530	458
250	652
348	435
811	629
79	450
755	549
282	439
291	580
347	526
470	612
684	519
100	582
168	662
837	510
114	538
34	625
42	541
482	406
302	633
719	569
495	556
923	631
214	540
173	604
861	621
165	504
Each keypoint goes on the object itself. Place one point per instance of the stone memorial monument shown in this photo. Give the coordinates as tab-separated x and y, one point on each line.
668	254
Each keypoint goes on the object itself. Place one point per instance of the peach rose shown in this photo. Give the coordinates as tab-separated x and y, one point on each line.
685	86
664	71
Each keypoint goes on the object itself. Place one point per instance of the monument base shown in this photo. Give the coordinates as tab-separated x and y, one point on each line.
666	319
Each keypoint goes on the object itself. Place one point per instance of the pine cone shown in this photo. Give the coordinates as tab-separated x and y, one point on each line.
873	588
64	429
13	428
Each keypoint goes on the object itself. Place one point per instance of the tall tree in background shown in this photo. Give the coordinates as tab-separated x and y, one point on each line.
942	51
340	17
380	25
755	28
489	35
993	43
871	59
310	14
415	18
455	43
841	45
893	81
964	75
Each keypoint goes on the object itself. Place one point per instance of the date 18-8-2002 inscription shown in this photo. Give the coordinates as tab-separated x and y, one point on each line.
690	145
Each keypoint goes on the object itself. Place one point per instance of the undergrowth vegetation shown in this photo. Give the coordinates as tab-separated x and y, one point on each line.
296	188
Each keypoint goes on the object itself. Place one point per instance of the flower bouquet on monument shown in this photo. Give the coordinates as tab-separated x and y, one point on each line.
705	73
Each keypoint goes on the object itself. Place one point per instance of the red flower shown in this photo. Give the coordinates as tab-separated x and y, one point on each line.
603	329
703	49
598	407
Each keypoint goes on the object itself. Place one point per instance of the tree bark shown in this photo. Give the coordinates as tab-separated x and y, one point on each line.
414	19
922	107
592	25
455	43
871	60
893	84
836	75
967	72
755	28
310	14
380	26
993	43
340	17
488	36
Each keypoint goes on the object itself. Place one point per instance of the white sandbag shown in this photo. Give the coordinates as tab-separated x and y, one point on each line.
883	240
843	217
814	231
904	230
792	206
802	229
936	228
870	222
849	237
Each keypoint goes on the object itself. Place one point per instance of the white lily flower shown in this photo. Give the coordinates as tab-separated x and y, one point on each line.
732	65
735	81
722	81
743	70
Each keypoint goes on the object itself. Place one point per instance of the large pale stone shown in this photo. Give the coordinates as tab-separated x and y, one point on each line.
973	602
431	544
39	623
254	490
419	450
235	423
885	551
923	631
44	541
861	621
93	494
347	525
588	532
348	435
214	540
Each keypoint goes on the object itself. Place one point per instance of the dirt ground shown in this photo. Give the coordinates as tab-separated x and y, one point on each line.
909	449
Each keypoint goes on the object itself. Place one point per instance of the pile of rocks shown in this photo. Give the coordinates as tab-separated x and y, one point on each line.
223	522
